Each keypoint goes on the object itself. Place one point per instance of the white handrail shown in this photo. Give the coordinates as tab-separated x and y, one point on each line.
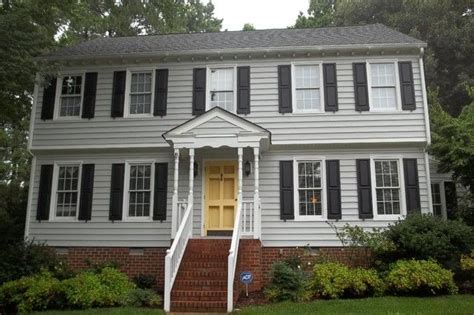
175	254
233	254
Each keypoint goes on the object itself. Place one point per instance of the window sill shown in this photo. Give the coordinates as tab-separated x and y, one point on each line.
139	116
310	219
62	220
67	118
137	220
378	217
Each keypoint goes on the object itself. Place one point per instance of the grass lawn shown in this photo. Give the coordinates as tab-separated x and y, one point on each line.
457	304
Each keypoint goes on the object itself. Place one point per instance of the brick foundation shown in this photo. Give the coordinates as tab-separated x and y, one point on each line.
252	257
150	261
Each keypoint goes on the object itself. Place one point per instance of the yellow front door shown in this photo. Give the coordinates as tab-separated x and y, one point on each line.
220	195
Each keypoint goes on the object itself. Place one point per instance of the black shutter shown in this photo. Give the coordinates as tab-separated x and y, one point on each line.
330	87
199	91
49	97
161	92
243	90
87	190
286	191
118	93
412	189
360	86
284	89
161	191
44	192
406	85
90	88
333	179
364	189
116	192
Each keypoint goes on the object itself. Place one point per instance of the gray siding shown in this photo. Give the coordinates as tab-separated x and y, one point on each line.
346	125
101	232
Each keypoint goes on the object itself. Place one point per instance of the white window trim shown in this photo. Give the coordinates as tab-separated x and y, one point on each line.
57	98
398	96
442	193
323	216
401	179
321	87
208	84
128	83
126	186
54	191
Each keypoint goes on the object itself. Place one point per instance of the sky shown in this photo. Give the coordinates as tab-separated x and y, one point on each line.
263	14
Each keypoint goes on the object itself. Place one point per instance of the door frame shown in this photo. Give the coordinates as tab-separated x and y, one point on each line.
203	188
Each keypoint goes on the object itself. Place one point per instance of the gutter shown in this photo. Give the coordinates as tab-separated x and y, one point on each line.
232	51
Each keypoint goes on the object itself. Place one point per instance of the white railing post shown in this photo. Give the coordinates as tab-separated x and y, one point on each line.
191	176
240	152
256	196
167	295
174	209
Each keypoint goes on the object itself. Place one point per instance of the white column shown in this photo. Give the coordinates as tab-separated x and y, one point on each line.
174	213
191	176
256	194
240	152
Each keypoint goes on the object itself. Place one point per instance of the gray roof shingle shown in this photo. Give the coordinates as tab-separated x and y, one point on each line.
373	34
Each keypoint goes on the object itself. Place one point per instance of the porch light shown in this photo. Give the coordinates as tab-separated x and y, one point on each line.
195	169
247	168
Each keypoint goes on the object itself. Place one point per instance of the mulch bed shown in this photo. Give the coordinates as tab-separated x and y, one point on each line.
254	298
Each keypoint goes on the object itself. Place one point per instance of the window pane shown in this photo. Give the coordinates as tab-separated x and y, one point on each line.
139	190
222	99
308	99
384	98
387	188
306	77
67	191
222	79
70	106
383	74
71	85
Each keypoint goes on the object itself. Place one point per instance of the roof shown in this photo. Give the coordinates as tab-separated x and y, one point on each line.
347	36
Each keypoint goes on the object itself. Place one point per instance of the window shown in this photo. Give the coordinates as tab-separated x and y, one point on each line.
71	96
307	88
383	86
436	198
140	93
309	188
222	88
67	191
139	190
387	187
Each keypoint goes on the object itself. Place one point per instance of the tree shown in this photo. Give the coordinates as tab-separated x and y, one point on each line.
248	27
446	25
320	14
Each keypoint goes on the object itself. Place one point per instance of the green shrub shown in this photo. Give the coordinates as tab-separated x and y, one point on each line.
25	259
425	237
335	280
287	283
420	277
108	288
144	297
24	295
144	281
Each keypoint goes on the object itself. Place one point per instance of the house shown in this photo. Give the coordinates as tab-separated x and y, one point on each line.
194	157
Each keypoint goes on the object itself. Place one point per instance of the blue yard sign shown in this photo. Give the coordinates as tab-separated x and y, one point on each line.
246	277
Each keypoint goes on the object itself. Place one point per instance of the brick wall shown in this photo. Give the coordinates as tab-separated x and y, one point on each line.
131	261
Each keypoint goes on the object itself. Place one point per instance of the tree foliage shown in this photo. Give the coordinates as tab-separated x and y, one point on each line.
248	27
446	25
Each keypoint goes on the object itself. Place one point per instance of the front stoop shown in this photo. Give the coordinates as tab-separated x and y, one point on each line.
201	282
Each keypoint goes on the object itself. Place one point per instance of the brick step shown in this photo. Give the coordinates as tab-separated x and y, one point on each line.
201	257
202	274
202	306
187	265
192	284
198	295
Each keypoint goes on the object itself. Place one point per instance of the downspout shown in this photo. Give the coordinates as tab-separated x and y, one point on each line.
33	160
427	129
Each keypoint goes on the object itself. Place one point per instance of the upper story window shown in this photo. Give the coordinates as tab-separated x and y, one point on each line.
71	96
309	189
139	190
383	86
67	191
387	187
307	88
140	92
222	88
